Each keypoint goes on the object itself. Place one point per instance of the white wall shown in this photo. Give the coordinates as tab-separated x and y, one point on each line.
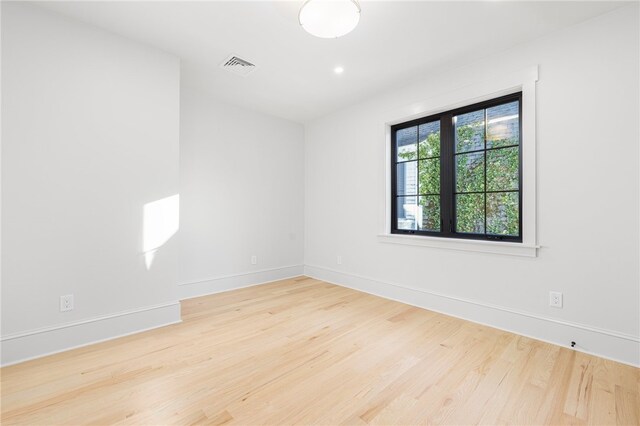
588	198
241	189
90	135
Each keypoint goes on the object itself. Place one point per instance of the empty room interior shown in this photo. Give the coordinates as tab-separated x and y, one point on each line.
328	212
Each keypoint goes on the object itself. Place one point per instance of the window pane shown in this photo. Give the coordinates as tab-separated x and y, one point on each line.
406	143
503	125
502	169
470	213
407	212
429	213
407	178
503	213
429	140
470	172
469	130
429	176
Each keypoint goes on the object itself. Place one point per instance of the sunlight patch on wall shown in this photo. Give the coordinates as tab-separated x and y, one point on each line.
161	219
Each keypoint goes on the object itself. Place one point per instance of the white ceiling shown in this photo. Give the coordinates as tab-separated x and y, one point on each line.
395	42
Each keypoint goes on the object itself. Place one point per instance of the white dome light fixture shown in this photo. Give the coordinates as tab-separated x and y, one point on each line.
329	18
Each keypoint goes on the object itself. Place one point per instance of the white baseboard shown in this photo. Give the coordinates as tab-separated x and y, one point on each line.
608	344
222	283
24	346
19	347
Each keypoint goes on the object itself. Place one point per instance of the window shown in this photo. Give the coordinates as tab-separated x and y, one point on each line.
458	174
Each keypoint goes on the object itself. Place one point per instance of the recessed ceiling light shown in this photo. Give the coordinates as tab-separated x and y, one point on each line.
338	70
329	18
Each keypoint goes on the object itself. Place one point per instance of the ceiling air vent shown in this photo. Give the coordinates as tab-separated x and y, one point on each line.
238	66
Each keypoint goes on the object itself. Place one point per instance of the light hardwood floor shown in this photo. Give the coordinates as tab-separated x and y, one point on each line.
306	352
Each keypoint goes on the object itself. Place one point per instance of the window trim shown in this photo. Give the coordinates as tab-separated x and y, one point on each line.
447	173
461	94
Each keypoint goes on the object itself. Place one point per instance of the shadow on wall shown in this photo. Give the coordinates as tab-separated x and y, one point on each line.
161	220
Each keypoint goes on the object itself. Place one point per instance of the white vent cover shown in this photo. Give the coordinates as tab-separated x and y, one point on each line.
238	66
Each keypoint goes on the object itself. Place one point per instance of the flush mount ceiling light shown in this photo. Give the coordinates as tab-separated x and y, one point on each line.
329	18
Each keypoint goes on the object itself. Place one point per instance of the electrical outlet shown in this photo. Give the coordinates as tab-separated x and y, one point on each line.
254	260
339	260
555	299
66	303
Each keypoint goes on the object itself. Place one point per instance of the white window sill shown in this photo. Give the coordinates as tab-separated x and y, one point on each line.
494	247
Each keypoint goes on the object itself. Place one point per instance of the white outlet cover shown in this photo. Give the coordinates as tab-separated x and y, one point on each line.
66	303
254	260
555	299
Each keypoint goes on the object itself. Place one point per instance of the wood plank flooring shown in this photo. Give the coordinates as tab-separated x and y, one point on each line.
302	351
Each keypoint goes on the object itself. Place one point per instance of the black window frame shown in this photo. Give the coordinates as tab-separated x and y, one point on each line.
447	173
